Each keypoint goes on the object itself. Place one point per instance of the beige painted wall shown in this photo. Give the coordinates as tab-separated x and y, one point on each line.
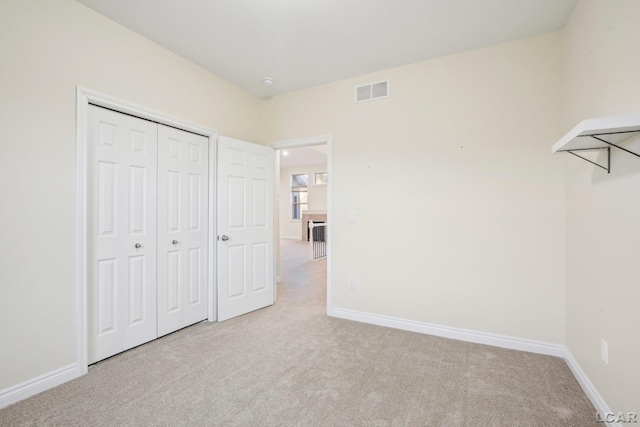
47	48
601	42
317	197
454	169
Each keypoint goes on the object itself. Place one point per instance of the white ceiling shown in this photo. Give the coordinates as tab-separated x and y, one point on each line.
303	43
301	156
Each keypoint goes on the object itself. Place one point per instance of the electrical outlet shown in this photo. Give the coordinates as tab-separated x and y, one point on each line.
353	217
604	351
352	284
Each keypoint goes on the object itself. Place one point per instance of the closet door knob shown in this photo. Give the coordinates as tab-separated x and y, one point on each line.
175	242
224	238
138	245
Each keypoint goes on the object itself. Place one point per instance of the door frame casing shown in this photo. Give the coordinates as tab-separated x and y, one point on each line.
307	142
84	97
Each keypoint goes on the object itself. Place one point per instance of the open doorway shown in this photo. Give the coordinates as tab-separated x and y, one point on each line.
303	215
303	190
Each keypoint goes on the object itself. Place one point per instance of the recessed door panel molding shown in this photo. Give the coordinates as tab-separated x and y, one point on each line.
260	266
235	156
195	202
195	276
121	225
107	294
183	169
260	199
237	272
195	156
107	135
173	149
173	281
245	218
137	294
137	142
107	204
260	161
173	201
137	199
236	202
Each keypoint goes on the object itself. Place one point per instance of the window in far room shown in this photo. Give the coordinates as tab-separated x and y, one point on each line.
299	195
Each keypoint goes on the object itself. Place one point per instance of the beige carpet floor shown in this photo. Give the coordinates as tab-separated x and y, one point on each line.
291	365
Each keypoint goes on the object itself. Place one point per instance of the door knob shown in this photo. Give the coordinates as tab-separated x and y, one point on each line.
175	242
138	245
224	238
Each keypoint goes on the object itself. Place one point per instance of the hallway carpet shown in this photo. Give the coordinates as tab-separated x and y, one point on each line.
291	365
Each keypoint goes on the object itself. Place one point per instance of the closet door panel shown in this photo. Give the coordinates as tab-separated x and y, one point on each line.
121	247
182	228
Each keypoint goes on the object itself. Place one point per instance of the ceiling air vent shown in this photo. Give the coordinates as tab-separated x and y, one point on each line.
372	91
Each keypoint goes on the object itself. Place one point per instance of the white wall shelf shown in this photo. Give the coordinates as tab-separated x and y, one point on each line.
599	134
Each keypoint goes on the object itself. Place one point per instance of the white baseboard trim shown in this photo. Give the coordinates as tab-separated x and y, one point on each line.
495	340
588	388
39	384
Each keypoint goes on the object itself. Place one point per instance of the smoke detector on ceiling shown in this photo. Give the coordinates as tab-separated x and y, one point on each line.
268	81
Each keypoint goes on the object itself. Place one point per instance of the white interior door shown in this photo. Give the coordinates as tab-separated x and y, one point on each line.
121	250
183	183
245	227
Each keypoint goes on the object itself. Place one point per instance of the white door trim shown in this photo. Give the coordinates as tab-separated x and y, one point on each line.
306	142
84	97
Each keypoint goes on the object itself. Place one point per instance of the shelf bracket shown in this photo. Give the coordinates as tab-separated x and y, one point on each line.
607	168
597	136
614	145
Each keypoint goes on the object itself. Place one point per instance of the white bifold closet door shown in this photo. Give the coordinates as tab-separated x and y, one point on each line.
183	184
147	193
121	247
